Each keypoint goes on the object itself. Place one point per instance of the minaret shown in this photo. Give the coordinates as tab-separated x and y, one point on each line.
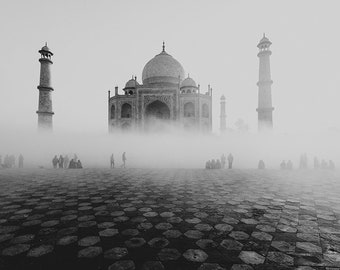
223	125
265	108
45	112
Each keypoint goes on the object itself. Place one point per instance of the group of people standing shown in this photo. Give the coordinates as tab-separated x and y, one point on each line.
65	162
220	163
112	161
9	161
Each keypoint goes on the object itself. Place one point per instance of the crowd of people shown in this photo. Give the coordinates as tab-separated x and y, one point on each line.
65	162
9	161
220	163
112	161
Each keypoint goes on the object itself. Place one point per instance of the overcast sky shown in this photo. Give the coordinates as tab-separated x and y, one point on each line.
100	44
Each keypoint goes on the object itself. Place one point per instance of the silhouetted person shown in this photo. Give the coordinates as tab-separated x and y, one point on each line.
21	161
72	164
261	165
124	159
283	165
303	161
223	161
213	164
79	165
230	161
324	164
55	161
61	162
316	163
218	164
289	165
331	165
66	161
112	162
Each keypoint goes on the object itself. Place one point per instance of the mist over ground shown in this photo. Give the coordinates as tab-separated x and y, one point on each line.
176	149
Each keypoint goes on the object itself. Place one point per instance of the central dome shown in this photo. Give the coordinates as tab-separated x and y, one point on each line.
163	69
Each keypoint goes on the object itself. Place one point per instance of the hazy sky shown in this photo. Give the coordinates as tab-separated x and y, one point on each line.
100	44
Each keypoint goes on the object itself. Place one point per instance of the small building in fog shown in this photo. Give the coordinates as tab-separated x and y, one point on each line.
165	97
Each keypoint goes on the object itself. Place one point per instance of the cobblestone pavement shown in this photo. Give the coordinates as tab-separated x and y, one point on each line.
169	219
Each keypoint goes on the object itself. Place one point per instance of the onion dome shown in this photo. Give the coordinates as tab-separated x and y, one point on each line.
188	82
264	42
45	50
163	68
132	83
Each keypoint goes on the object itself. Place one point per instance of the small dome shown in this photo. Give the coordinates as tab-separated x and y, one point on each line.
188	82
45	49
222	97
264	41
132	83
163	68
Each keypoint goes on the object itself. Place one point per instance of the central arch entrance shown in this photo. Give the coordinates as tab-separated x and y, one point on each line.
157	114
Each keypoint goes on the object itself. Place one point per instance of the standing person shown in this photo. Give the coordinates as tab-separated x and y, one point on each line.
61	162
21	161
112	162
223	161
230	161
261	165
79	165
289	165
283	165
66	162
124	159
55	161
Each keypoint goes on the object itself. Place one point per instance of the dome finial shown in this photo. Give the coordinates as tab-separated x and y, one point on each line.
163	46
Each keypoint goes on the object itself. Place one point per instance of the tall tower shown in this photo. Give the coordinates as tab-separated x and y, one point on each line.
45	112
265	108
223	124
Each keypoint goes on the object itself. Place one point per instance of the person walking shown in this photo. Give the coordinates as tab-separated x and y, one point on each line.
124	159
112	162
55	161
230	161
61	162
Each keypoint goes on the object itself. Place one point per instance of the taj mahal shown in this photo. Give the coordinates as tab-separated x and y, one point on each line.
166	97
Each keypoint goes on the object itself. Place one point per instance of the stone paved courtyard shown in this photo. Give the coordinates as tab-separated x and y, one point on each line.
169	219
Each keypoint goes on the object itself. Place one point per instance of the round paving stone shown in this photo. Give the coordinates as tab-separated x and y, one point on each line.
167	214
117	213
150	214
195	255
230	220
5	237
108	232
106	225
172	234
145	226
88	241
168	254
201	215
163	226
193	220
31	223
120	219
239	235
122	265
115	253
130	232
206	244
193	234
230	244
223	227
135	242
241	267
8	229
40	251
90	252
210	266
158	242
203	227
22	239
69	230
138	219
145	209
175	220
50	223
67	240
15	250
68	218
86	218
